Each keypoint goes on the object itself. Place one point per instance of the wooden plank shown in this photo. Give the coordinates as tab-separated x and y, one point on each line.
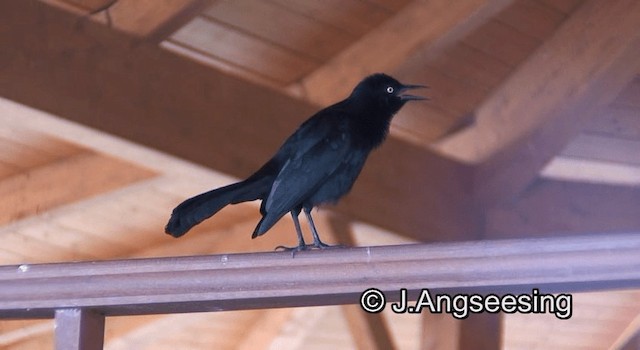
630	96
137	92
276	279
369	331
592	171
632	344
298	33
532	18
502	42
214	330
21	151
265	328
465	63
78	329
62	182
85	5
422	125
231	45
352	17
551	207
629	338
220	64
478	331
597	320
153	20
63	138
13	332
431	24
391	5
514	137
148	19
481	331
616	121
439	332
566	6
454	96
617	150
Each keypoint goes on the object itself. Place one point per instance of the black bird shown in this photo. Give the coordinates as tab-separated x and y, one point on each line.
317	164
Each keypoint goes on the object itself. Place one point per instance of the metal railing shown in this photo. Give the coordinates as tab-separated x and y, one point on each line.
79	295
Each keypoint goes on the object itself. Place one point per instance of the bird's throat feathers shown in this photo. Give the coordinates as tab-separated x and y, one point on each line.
371	128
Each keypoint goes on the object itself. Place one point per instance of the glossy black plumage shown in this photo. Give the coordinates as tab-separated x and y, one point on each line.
318	164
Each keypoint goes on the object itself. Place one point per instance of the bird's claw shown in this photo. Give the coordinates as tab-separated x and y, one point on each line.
315	245
297	248
322	245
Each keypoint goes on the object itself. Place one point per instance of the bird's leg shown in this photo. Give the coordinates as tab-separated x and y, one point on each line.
316	238
301	244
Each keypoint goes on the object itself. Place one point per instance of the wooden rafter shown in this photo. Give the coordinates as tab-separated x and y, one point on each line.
478	331
369	331
148	19
64	181
481	331
549	207
433	24
629	339
439	332
535	113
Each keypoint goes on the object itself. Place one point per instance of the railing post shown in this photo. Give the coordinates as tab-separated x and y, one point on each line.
79	329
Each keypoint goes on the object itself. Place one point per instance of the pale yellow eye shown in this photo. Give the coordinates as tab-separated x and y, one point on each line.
390	89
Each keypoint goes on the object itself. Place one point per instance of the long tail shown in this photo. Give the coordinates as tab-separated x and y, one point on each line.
196	209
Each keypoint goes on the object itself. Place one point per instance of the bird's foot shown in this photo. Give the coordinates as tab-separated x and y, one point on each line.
314	245
297	248
322	245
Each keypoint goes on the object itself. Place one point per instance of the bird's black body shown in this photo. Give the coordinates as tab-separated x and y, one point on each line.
318	164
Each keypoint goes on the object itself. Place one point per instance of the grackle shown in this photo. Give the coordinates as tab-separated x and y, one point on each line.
317	164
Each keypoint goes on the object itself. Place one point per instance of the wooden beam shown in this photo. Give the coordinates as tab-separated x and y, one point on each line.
481	331
439	332
604	148
478	331
629	339
369	331
265	329
148	19
434	24
618	121
632	344
78	329
592	171
552	207
64	181
96	77
270	280
535	113
20	331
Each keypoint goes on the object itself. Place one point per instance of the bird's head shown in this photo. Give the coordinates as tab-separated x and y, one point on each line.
385	91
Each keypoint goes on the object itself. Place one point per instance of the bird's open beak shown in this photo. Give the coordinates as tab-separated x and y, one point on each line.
404	97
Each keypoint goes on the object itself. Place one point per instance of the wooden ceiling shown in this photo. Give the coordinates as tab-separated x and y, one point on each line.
112	112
